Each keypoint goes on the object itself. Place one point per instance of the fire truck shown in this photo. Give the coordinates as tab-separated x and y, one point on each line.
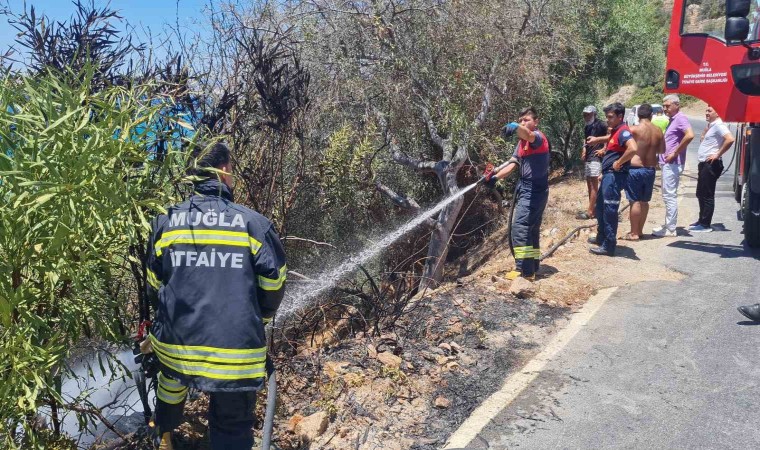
716	57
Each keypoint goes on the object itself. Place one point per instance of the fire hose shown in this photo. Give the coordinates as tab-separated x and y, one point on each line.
490	171
266	439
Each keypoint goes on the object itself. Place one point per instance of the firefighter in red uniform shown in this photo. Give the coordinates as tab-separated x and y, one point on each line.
615	163
532	156
216	274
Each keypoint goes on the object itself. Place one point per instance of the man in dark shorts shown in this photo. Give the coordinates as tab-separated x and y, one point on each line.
592	166
649	143
621	147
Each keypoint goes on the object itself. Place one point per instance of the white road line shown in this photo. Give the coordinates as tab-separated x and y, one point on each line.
512	387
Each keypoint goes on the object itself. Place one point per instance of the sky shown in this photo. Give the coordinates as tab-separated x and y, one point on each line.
155	15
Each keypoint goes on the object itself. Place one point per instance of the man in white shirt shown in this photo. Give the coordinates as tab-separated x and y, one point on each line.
716	140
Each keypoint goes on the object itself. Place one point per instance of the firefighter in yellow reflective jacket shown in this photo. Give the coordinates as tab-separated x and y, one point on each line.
216	274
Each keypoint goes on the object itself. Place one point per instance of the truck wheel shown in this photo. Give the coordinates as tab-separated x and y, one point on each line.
751	220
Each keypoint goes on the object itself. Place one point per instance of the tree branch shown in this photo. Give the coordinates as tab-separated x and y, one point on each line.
412	163
480	118
398	199
438	141
486	103
526	18
295	238
99	414
396	154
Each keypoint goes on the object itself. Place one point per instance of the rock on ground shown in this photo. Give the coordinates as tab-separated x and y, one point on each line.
522	288
311	427
442	402
389	360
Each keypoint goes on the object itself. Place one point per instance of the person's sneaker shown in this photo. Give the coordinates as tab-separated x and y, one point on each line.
663	232
600	251
751	312
694	224
700	229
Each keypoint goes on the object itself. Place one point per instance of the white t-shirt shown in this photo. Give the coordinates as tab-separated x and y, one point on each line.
713	139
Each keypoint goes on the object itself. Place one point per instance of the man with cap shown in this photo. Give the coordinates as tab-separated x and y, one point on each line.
592	163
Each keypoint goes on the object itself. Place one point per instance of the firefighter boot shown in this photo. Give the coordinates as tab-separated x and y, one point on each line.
512	275
162	441
166	442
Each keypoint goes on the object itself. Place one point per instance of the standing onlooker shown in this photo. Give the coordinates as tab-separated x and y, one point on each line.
716	140
649	142
592	163
660	120
621	147
678	135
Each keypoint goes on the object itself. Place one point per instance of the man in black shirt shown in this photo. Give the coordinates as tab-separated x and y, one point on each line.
592	163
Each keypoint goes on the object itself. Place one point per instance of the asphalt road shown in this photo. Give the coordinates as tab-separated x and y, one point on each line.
661	365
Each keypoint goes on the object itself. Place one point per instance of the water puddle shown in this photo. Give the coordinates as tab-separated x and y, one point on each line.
106	388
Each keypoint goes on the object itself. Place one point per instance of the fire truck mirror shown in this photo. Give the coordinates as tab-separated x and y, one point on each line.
737	8
747	78
737	29
672	79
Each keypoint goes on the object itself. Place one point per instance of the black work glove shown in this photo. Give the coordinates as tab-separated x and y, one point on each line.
490	183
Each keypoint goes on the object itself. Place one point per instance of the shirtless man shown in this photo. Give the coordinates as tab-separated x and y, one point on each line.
650	142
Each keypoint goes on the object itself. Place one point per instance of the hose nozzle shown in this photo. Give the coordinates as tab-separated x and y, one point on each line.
490	171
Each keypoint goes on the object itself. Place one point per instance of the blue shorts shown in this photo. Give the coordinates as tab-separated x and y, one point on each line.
640	184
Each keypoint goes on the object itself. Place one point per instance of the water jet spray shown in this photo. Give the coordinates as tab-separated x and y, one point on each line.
296	301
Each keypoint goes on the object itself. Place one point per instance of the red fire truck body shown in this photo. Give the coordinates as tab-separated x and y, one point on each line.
725	73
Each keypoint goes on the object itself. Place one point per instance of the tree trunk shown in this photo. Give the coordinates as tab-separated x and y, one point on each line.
438	249
446	169
569	134
54	417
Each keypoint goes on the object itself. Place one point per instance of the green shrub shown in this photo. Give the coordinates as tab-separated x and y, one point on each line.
78	186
